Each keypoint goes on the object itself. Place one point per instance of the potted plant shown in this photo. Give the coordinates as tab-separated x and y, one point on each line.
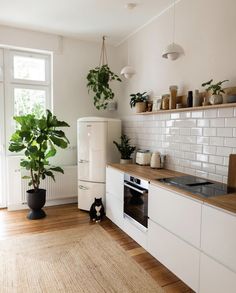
139	101
216	90
99	80
38	138
125	149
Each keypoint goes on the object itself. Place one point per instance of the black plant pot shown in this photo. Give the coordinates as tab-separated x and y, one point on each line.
35	201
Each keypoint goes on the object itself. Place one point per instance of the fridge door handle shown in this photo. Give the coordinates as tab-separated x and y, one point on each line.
83	187
83	161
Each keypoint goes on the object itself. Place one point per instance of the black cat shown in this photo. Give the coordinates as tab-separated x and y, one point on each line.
97	211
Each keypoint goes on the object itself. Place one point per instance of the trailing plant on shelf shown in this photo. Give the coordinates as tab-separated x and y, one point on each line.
216	90
139	101
38	138
125	149
99	80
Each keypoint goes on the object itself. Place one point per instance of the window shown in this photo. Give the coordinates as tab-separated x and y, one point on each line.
27	85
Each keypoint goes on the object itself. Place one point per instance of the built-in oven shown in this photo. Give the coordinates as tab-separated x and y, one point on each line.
136	199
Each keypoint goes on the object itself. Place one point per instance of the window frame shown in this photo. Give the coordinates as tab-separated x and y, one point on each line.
45	57
10	83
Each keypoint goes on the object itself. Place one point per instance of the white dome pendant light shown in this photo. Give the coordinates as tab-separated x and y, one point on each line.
128	71
173	50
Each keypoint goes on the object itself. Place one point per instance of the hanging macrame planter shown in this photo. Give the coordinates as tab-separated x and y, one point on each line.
99	80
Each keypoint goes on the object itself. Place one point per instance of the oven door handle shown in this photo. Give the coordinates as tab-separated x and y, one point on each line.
134	188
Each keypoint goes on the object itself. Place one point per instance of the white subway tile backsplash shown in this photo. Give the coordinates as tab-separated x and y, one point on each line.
221	170
218	122
208	167
230	142
218	141
196	142
203	140
230	122
209	131
195	165
215	177
201	174
226	112
175	116
190	155
212	113
203	123
184	115
224	151
197	114
202	158
184	131
196	148
224	132
216	160
196	131
208	149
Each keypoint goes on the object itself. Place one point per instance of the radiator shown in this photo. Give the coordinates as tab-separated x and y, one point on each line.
64	187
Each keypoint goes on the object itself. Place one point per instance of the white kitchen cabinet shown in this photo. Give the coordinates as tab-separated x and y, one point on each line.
114	196
114	210
177	213
215	278
177	255
115	182
136	231
219	235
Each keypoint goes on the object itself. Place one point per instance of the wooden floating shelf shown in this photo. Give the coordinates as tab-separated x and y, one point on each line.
228	105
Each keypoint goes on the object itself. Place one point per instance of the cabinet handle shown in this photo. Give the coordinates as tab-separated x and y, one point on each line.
83	187
83	161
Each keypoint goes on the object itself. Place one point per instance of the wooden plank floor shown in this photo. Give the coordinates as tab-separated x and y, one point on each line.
68	216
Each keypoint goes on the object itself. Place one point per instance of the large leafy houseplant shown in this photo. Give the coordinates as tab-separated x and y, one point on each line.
38	139
125	149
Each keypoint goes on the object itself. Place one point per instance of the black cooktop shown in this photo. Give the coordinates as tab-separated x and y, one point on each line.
199	186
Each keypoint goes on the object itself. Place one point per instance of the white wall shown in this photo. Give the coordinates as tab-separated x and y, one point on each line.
72	59
198	142
206	31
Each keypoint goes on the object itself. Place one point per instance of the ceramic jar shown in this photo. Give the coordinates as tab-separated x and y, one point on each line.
216	99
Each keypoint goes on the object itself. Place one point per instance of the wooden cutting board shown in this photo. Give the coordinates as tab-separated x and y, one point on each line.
232	171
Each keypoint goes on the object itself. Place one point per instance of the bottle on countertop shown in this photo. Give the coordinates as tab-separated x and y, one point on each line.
196	99
190	99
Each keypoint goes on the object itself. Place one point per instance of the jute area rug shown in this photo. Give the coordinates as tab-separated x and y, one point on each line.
83	259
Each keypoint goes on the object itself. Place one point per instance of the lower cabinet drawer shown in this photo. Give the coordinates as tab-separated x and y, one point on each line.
215	278
114	210
178	256
135	231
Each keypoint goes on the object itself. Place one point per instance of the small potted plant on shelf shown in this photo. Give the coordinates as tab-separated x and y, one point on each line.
125	149
216	90
38	139
139	101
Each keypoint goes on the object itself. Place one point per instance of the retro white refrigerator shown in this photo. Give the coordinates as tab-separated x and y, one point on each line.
95	137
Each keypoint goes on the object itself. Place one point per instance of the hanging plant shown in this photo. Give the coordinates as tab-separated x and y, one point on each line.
99	79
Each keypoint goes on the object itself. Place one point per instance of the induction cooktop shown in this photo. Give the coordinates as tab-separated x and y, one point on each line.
199	186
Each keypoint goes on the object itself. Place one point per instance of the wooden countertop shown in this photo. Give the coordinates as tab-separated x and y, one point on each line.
226	202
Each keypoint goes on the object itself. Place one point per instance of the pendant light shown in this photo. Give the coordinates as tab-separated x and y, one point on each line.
128	71
173	50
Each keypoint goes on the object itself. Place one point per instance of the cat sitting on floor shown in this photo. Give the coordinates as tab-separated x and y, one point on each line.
97	210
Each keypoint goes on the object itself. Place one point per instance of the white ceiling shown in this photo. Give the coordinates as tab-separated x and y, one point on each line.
84	19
